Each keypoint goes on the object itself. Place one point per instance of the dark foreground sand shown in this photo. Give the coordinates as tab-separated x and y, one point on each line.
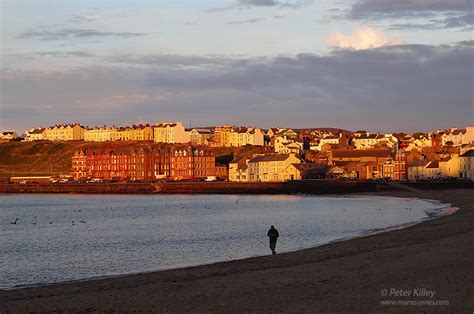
349	276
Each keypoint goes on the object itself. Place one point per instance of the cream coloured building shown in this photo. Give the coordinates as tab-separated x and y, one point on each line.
35	134
423	170
64	132
238	170
419	143
231	136
284	145
269	168
100	134
141	133
368	141
466	165
200	136
449	167
328	139
458	137
171	132
8	135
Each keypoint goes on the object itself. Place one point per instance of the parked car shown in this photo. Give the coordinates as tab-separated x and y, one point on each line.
94	180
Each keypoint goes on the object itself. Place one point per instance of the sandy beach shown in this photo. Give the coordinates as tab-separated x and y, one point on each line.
429	264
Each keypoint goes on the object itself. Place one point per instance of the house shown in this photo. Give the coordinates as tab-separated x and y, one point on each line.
171	132
269	167
466	165
141	132
449	167
231	136
458	137
79	169
308	171
200	136
379	156
100	134
272	132
360	170
420	141
238	170
64	132
329	139
35	134
423	170
395	169
11	135
284	145
368	141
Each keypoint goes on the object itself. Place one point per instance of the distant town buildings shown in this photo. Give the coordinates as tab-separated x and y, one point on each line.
455	166
291	154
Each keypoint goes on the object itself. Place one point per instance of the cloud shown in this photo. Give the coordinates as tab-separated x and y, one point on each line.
249	21
274	3
435	14
74	33
175	61
362	38
387	88
379	8
262	3
241	4
86	18
464	22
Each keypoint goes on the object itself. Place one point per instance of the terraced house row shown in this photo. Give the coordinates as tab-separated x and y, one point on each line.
146	164
161	132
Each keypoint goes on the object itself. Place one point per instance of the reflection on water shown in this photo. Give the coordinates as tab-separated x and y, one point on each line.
69	237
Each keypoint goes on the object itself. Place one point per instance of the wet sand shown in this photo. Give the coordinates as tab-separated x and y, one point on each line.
349	276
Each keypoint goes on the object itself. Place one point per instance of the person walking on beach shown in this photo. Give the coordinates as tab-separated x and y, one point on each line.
273	235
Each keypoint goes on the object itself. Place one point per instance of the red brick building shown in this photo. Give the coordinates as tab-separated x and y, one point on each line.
400	171
145	164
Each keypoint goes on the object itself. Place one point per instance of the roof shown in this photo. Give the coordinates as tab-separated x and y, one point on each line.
469	153
166	124
433	164
306	167
203	131
459	131
37	131
66	125
267	158
350	153
418	163
315	168
366	137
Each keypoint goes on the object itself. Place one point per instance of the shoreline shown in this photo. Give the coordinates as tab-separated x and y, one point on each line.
141	288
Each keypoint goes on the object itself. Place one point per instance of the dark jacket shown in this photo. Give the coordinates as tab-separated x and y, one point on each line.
273	234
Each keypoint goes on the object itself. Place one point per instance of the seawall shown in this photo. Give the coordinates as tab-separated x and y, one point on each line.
292	187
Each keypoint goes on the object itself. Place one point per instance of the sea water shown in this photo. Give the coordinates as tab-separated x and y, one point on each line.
55	238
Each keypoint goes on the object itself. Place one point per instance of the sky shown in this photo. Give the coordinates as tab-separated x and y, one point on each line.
381	65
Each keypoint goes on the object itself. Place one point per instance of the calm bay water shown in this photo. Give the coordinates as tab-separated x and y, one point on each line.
70	237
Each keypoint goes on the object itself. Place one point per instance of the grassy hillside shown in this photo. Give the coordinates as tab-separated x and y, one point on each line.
54	158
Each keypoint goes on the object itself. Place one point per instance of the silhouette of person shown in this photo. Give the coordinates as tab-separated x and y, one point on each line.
273	235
